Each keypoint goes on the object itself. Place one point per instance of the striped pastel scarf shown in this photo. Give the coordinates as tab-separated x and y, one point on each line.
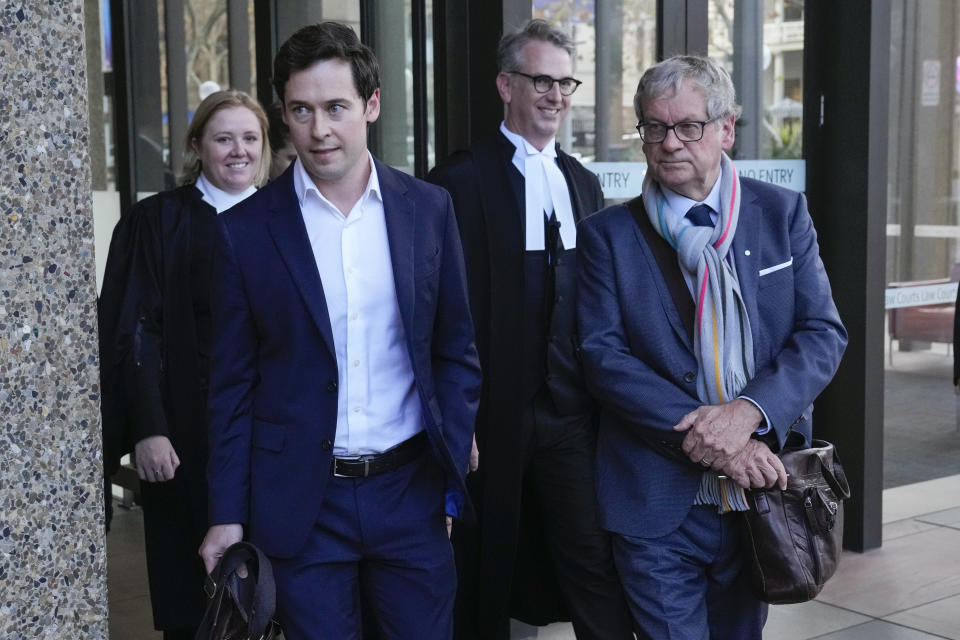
723	342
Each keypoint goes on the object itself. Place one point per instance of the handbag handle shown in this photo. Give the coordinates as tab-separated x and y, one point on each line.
836	478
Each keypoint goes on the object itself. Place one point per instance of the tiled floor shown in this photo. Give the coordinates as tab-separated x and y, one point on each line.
909	589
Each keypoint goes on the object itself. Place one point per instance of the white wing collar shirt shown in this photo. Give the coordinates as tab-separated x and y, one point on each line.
545	191
377	402
218	198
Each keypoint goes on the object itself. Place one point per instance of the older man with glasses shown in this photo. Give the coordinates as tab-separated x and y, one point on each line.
708	329
518	198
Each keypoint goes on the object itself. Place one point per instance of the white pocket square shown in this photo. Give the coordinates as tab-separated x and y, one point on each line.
776	267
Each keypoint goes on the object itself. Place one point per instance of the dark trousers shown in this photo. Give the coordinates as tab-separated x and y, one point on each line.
561	471
173	529
691	584
388	532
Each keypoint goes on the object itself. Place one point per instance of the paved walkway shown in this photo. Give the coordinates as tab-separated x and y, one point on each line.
909	589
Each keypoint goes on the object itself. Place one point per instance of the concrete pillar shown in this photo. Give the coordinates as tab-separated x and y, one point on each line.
52	554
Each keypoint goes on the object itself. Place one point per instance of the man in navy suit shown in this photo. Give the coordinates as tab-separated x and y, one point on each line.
708	329
344	380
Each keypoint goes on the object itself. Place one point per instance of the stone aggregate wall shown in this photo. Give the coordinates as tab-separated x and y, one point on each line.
52	544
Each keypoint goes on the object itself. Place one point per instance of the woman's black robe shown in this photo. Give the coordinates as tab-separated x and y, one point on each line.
154	336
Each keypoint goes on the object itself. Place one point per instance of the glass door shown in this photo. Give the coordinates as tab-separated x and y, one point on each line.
761	44
921	427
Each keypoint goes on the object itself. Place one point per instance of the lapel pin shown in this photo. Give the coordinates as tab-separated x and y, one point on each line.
746	252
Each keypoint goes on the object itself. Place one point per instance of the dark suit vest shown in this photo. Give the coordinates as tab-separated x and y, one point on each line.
550	340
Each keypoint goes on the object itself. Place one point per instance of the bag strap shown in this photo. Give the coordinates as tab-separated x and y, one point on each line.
836	477
666	259
833	473
264	593
667	445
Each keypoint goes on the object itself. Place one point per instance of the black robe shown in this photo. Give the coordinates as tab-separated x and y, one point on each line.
154	335
489	214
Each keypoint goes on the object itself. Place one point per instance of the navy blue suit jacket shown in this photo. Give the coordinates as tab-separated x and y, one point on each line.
273	384
639	360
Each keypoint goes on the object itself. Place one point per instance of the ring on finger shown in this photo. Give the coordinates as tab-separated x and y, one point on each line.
704	462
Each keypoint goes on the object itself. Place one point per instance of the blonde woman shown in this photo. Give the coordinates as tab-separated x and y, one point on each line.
154	336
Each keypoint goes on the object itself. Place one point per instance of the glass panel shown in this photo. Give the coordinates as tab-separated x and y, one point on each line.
145	66
761	44
392	134
345	11
106	199
616	42
205	22
293	15
921	431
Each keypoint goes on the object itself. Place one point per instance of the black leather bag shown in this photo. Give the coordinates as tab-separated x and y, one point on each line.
793	537
240	608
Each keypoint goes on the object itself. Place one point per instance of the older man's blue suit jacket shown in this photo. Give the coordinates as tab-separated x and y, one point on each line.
273	384
639	358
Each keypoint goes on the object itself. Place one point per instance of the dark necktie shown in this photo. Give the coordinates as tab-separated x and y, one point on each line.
699	215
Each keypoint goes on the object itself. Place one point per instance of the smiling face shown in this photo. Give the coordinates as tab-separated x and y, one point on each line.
230	149
536	116
328	124
689	168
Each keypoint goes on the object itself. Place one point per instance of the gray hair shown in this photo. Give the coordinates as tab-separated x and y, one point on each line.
711	79
508	51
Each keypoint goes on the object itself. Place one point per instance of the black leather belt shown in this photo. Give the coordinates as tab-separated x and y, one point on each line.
376	463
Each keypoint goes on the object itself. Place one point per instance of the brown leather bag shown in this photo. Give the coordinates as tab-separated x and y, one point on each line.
793	537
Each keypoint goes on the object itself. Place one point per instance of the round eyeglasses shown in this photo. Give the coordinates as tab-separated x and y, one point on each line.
653	132
543	84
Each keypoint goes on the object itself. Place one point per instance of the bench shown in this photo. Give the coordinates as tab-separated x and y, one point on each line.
924	323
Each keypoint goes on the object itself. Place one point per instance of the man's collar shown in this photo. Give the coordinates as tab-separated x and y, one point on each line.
680	204
302	181
304	184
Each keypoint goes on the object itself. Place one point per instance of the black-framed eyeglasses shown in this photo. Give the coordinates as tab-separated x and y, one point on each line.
543	84
654	132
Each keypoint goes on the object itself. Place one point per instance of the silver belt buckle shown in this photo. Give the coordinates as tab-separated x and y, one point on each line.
345	459
366	466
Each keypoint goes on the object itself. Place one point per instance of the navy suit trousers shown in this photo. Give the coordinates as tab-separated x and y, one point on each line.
692	583
386	532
